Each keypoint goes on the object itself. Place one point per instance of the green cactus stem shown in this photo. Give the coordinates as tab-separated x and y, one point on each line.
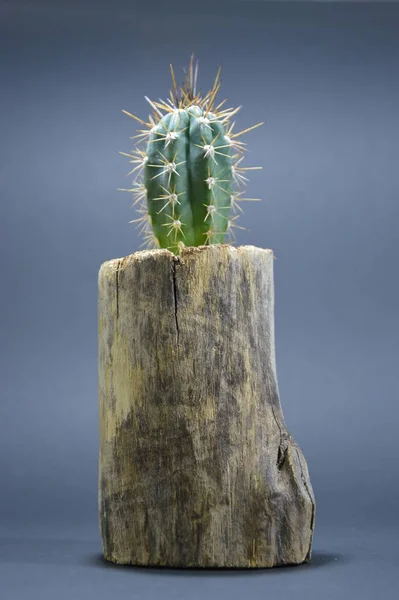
188	181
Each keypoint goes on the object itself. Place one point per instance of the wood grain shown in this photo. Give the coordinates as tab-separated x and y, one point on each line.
196	465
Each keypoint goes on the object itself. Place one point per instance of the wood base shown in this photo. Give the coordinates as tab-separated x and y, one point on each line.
196	467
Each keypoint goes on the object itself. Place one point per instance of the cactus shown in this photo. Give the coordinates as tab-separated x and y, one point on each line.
188	182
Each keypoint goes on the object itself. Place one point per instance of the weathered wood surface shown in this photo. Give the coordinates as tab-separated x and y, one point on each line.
196	465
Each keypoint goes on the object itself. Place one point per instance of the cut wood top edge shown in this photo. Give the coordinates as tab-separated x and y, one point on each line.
115	264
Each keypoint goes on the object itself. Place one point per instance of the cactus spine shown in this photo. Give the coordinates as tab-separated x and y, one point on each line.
188	181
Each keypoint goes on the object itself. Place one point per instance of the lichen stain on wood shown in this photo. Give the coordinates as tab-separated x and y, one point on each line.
196	466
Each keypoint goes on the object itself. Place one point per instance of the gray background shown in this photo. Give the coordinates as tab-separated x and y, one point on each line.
324	77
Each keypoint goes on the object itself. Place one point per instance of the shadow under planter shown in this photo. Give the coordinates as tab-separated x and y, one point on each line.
196	466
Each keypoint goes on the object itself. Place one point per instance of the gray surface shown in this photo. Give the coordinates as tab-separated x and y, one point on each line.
347	563
325	79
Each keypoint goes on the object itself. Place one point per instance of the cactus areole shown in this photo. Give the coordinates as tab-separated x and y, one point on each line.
188	178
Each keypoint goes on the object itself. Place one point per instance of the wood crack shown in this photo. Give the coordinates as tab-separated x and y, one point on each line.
175	261
117	289
284	442
312	520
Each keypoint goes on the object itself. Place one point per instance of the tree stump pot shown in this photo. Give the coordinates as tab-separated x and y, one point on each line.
196	465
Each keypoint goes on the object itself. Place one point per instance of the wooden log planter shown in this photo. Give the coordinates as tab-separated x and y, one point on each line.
196	466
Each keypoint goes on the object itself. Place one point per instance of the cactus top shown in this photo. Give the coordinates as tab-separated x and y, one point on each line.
185	178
